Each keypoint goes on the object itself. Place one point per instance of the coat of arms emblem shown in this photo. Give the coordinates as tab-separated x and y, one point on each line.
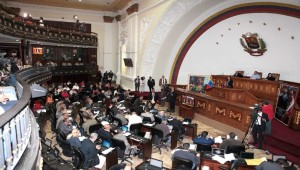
253	44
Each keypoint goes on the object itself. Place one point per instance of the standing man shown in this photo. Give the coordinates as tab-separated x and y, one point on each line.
260	120
137	83
172	100
162	83
267	108
151	83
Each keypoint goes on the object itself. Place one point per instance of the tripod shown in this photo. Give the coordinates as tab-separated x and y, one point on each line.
254	116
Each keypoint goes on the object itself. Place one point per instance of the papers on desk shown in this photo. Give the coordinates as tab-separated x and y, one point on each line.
218	139
127	134
147	135
149	124
81	138
107	150
221	160
255	161
185	123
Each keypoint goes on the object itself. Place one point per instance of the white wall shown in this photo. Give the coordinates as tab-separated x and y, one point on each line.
206	57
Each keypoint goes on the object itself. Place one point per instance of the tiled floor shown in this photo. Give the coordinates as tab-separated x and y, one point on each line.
203	124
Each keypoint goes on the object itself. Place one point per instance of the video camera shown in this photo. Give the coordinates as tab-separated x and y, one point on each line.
256	109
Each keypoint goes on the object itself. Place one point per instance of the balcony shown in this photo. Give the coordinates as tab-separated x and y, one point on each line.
13	26
19	137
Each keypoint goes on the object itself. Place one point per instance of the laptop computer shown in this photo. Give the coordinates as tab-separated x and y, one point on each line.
106	144
217	151
156	163
275	157
48	142
188	120
247	155
193	147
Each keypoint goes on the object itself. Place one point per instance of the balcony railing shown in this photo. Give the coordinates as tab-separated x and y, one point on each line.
19	139
9	25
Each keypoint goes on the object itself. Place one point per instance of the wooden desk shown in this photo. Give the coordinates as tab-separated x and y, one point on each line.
111	158
145	146
214	165
191	130
174	135
145	165
186	112
231	113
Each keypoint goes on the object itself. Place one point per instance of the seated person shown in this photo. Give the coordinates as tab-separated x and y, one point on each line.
270	77
148	114
133	119
73	138
122	137
121	116
66	126
60	120
88	121
161	115
112	110
230	141
90	152
229	82
279	164
185	154
203	139
255	76
104	133
137	104
177	125
166	131
237	74
87	111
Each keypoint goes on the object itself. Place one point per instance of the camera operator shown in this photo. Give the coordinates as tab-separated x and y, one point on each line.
259	127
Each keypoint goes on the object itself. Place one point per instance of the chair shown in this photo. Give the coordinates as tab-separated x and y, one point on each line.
236	149
135	128
182	164
203	148
121	147
94	128
158	139
118	166
78	158
157	120
147	120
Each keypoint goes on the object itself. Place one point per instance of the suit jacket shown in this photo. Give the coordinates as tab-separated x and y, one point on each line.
151	82
187	155
227	142
104	135
161	81
88	148
151	96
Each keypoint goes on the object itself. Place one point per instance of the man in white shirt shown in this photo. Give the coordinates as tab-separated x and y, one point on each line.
133	119
255	76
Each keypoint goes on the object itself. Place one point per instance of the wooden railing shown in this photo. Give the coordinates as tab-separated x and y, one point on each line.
9	25
19	139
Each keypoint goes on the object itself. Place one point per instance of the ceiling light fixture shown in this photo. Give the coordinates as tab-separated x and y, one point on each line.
25	15
75	16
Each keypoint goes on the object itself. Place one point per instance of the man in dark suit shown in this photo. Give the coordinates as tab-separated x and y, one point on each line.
104	133
90	152
151	83
137	83
259	127
230	141
172	100
177	125
185	154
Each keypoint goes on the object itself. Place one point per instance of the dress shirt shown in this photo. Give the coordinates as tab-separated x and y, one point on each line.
148	114
203	140
133	119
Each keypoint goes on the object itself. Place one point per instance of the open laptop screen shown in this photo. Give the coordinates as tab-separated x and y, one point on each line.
275	157
106	144
247	155
124	128
156	163
217	151
48	142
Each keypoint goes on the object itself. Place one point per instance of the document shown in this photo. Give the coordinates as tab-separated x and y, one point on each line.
229	157
108	150
218	139
255	161
219	159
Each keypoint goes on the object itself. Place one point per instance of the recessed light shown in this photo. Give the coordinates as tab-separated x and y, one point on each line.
79	0
17	40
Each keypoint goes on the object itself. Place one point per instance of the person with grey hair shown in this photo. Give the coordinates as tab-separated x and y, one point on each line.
166	131
90	152
185	154
230	141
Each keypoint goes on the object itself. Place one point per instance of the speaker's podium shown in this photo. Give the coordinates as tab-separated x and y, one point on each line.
186	111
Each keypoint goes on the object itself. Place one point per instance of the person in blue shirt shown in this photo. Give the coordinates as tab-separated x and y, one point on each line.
203	139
